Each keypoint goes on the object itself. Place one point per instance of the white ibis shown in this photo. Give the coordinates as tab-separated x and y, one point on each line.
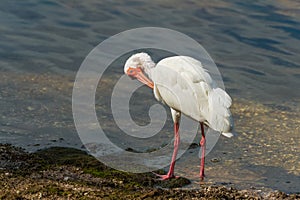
185	86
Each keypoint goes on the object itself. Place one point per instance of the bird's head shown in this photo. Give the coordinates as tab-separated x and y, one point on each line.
137	65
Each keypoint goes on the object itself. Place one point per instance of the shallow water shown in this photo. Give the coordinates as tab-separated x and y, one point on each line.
255	45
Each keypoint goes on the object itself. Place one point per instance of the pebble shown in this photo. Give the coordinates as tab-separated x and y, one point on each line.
214	160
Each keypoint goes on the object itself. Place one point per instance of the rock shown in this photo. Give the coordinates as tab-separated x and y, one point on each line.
214	160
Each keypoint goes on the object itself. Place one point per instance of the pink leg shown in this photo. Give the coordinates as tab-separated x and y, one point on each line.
202	144
170	174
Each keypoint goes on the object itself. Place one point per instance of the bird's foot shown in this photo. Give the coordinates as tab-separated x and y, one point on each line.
202	177
165	177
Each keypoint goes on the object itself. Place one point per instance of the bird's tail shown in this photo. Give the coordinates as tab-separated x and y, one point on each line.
220	118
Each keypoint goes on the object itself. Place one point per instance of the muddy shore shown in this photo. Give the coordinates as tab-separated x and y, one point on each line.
66	173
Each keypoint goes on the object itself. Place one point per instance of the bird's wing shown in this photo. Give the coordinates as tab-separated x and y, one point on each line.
183	84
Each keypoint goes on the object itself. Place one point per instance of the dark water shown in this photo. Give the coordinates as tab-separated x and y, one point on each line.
251	41
255	44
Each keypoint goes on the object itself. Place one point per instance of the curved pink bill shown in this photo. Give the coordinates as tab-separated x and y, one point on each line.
138	73
144	79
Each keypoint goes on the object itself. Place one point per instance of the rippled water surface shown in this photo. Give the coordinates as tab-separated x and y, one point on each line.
255	44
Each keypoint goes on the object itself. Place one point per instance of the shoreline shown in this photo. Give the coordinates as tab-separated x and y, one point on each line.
256	155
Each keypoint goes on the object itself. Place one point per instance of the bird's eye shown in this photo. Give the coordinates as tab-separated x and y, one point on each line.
130	71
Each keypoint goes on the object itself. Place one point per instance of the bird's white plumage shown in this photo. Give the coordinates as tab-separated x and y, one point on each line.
186	87
140	60
183	84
